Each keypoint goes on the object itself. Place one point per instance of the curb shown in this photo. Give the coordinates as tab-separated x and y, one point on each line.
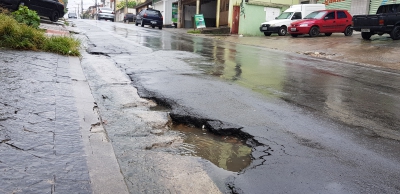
104	170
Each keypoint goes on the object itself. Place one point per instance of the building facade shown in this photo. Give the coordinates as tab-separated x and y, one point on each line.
255	12
357	7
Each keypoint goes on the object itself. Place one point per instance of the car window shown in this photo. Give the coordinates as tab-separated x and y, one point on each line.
284	15
153	13
330	15
315	15
341	14
296	16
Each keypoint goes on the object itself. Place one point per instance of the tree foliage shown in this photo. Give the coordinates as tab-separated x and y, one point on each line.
27	16
121	4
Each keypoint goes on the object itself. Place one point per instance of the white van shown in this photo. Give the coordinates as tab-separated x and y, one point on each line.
295	12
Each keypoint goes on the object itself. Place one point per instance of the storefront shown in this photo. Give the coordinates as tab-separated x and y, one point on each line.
206	7
165	6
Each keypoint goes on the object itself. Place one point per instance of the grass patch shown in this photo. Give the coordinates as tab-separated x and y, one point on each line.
23	37
62	45
194	31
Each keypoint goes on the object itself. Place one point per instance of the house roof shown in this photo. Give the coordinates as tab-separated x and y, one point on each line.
146	3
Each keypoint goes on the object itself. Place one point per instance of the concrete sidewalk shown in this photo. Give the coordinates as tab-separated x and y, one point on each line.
51	136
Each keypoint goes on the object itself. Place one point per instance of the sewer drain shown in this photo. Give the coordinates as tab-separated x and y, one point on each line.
229	153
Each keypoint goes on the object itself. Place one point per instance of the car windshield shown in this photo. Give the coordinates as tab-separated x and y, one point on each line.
315	15
284	15
105	8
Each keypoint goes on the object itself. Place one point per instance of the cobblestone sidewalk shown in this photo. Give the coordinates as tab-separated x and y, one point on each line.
41	149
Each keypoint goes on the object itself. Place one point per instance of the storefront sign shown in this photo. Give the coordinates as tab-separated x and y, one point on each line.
327	2
199	20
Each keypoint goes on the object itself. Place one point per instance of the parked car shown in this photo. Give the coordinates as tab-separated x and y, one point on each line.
47	8
150	17
129	17
72	15
324	21
105	13
295	12
386	20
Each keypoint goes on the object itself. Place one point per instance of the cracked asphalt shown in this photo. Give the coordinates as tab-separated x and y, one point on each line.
61	119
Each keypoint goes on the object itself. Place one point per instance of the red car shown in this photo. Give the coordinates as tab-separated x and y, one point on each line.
324	21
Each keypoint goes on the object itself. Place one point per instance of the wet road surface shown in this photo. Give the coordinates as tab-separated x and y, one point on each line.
319	126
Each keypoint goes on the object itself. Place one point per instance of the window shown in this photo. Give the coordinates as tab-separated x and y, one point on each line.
296	16
330	15
341	14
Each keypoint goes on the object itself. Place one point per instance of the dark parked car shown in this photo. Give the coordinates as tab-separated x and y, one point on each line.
48	8
129	17
150	17
386	20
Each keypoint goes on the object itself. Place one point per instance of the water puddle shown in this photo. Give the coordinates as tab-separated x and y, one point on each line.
229	153
160	108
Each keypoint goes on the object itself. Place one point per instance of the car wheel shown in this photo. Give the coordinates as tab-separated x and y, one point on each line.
294	35
348	31
328	34
395	34
153	26
366	35
267	33
141	23
160	27
282	31
314	31
54	16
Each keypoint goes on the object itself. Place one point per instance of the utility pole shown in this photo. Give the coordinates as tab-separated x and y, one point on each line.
126	5
78	12
95	9
82	7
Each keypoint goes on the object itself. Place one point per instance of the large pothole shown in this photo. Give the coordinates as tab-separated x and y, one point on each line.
223	144
227	152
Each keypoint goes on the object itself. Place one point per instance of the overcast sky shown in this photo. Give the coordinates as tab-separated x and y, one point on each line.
73	4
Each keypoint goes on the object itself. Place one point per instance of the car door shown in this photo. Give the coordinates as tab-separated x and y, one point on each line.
328	22
48	6
36	6
342	21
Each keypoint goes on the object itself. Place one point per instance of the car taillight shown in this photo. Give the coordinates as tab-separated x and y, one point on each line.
112	12
99	11
162	17
381	22
145	15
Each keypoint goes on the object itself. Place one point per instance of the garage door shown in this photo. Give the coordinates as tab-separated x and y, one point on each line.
271	13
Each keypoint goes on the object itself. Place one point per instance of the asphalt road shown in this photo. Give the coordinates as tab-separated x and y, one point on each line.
317	125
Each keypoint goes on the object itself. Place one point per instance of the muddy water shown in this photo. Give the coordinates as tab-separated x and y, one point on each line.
229	153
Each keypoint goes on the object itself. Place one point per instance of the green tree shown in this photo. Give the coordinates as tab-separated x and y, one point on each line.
131	4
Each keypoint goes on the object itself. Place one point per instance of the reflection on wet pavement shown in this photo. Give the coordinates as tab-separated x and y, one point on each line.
229	153
356	95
